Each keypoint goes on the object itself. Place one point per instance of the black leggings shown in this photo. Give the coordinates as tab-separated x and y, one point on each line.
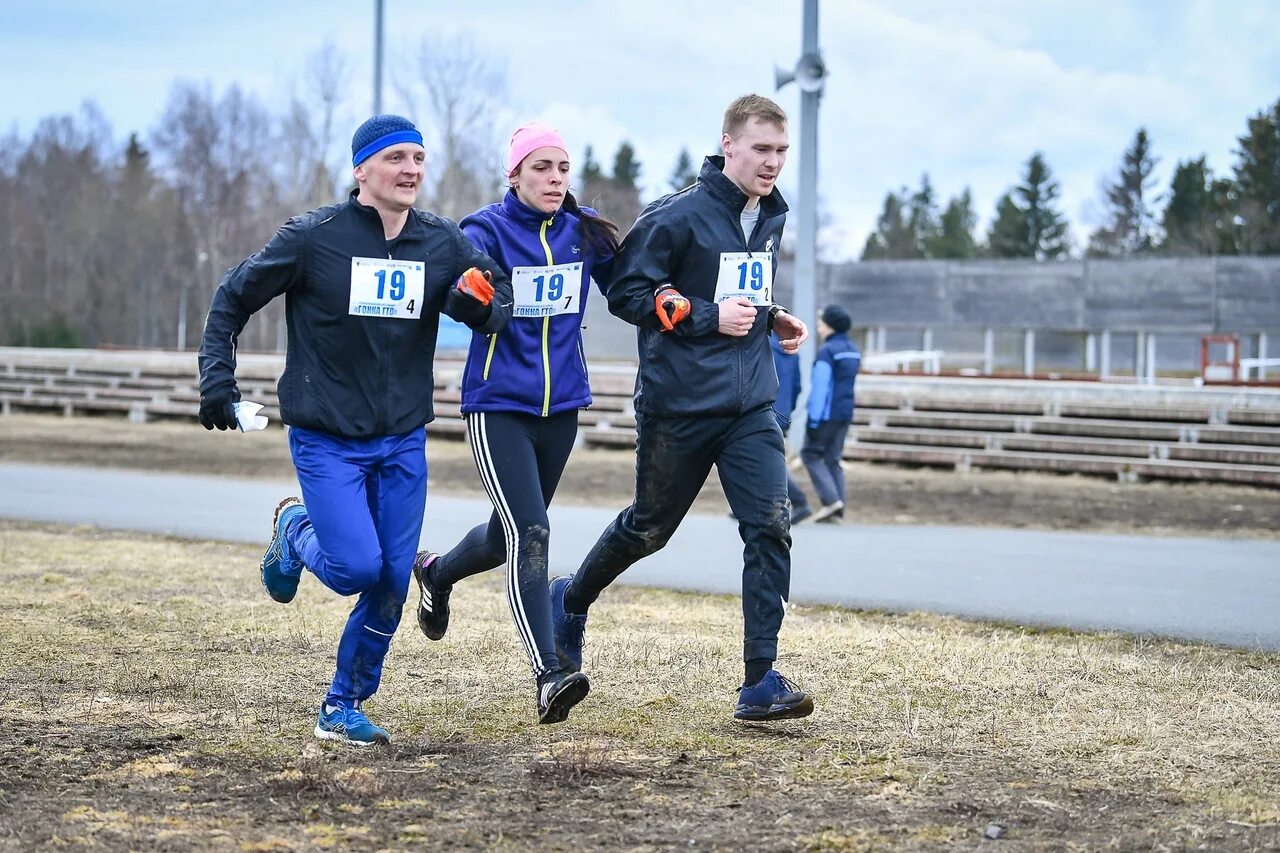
520	459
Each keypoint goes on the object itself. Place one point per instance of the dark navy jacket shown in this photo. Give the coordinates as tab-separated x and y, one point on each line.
788	367
535	365
834	372
346	374
695	370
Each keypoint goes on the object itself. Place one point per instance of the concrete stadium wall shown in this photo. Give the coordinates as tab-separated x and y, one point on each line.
1175	295
956	301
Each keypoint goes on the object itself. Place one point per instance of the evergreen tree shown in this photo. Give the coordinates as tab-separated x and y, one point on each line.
1008	235
893	238
1129	231
1028	223
1257	173
685	171
1197	219
616	197
590	167
626	169
922	219
955	235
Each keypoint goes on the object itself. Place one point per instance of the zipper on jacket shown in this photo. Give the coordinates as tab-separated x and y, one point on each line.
546	330
488	359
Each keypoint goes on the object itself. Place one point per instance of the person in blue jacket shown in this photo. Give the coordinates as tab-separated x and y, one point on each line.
788	366
830	411
521	392
695	276
364	284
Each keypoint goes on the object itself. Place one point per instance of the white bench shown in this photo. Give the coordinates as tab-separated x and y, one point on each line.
930	361
1248	365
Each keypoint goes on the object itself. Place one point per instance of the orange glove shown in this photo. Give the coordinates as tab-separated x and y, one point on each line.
670	306
477	285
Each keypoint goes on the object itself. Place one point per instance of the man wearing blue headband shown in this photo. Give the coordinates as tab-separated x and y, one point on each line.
364	283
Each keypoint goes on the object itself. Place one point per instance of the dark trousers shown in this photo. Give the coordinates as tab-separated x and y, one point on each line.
520	459
822	451
673	459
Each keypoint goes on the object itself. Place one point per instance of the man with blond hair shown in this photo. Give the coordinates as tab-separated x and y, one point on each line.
695	276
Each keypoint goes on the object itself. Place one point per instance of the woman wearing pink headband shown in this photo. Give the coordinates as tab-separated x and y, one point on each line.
521	392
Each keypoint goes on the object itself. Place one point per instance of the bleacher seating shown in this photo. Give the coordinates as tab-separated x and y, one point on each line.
1215	434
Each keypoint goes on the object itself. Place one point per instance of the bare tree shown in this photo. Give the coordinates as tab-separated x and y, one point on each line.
215	159
458	89
311	176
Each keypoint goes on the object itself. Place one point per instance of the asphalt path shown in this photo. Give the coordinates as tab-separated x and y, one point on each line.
1216	590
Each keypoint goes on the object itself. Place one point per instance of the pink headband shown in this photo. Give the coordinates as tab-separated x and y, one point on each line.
529	138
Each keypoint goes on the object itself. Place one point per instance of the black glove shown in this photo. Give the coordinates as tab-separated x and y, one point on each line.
216	408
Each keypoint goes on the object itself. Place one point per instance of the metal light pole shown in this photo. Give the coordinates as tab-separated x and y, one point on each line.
810	74
377	57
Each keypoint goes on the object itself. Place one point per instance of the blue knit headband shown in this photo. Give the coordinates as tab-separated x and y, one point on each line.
381	132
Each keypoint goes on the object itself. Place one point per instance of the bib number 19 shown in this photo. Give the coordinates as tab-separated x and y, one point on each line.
397	283
554	284
751	275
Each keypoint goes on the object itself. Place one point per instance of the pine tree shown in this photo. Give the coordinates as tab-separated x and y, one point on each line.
1197	219
1130	229
922	219
893	238
685	171
1257	179
590	167
1008	236
626	169
1028	223
955	236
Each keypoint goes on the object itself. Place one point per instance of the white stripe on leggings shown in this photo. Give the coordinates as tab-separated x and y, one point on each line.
478	429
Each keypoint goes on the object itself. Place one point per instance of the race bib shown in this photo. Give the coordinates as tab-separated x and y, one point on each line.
746	274
547	291
381	287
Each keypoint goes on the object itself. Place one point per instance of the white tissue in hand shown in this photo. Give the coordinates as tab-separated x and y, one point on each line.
247	416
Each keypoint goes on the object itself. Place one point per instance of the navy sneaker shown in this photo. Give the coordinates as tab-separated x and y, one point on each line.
281	568
348	724
773	697
558	692
433	602
800	513
569	628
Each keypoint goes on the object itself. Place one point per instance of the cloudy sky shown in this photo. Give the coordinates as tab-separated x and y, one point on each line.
963	91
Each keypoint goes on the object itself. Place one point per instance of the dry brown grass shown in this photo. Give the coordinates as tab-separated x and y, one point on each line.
154	697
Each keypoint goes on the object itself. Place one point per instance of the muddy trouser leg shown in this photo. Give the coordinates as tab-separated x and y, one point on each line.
752	464
795	493
673	459
835	452
520	459
365	500
817	443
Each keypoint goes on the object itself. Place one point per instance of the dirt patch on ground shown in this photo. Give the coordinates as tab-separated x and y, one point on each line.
878	494
156	699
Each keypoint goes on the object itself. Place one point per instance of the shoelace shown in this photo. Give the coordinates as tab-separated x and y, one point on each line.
576	629
791	686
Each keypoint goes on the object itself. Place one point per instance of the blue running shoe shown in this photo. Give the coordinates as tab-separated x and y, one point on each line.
350	725
281	568
773	697
569	628
558	692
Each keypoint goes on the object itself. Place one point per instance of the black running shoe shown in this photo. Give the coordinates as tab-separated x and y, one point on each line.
558	692
433	603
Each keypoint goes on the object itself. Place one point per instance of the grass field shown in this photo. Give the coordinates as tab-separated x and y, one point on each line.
155	698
